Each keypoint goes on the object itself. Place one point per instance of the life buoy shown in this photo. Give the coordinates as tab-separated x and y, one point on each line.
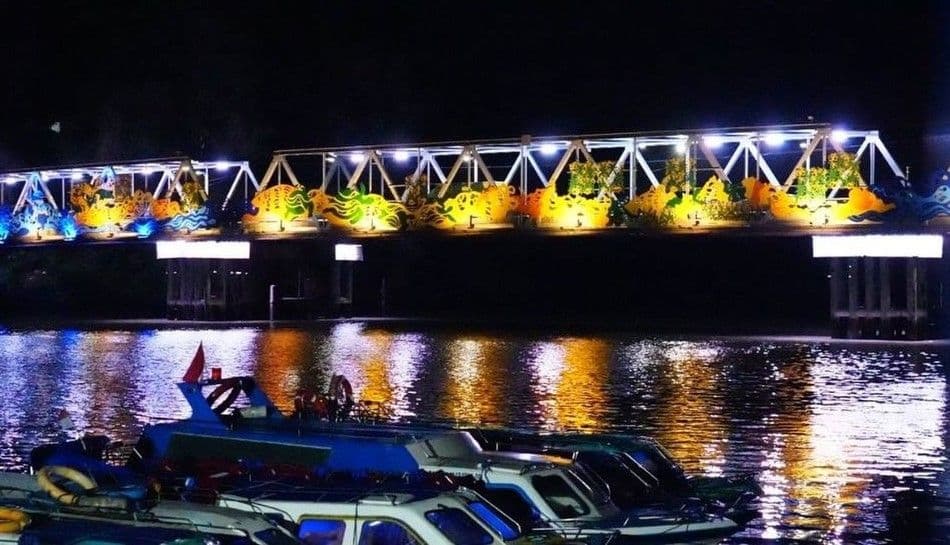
12	520
44	478
340	395
233	388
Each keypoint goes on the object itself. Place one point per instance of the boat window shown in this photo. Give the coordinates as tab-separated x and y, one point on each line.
513	504
559	496
321	531
385	532
505	527
460	528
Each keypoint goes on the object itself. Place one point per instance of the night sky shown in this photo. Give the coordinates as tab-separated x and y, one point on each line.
217	80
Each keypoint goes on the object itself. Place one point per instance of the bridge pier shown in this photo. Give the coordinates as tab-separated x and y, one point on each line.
882	298
207	289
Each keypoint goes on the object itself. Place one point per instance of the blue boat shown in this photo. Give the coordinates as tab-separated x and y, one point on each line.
560	495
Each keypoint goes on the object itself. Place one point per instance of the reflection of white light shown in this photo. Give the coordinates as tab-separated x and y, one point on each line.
774	139
356	157
401	156
348	252
839	136
680	147
713	141
548	149
207	249
221	165
878	246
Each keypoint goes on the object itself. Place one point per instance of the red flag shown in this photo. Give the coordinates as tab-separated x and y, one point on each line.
197	365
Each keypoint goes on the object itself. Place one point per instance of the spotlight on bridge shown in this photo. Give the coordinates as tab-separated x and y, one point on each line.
205	249
401	155
680	148
148	171
357	157
466	156
548	149
76	175
713	141
774	139
924	246
839	136
9	180
221	166
348	252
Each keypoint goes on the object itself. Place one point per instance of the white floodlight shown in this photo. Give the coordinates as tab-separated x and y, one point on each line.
878	246
401	155
205	249
466	157
803	144
76	175
221	166
680	148
348	252
148	171
45	176
9	180
774	139
839	136
713	141
548	149
331	158
357	157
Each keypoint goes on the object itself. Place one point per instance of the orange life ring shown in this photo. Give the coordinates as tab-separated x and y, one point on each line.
233	388
12	520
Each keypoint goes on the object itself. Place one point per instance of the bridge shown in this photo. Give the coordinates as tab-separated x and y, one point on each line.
757	181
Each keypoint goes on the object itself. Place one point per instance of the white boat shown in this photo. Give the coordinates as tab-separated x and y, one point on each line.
49	522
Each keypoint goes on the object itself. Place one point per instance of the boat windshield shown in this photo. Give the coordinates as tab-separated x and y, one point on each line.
458	526
498	521
560	497
590	484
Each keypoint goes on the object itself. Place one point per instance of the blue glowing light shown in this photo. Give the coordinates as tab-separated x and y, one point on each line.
68	227
145	227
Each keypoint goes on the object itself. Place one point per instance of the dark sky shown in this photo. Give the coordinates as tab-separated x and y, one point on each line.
136	79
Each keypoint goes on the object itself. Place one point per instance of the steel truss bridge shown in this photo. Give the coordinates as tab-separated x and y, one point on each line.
389	173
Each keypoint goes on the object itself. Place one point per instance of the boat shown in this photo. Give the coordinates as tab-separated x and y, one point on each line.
383	516
42	510
637	470
559	494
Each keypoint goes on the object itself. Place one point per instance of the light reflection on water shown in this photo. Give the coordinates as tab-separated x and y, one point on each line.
836	432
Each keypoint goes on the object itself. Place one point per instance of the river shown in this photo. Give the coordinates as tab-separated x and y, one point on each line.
849	440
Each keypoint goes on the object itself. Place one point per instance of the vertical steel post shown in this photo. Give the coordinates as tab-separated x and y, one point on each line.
272	301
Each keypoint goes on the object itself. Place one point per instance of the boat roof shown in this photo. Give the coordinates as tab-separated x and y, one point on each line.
279	491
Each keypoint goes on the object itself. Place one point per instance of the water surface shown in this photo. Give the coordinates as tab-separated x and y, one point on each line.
849	440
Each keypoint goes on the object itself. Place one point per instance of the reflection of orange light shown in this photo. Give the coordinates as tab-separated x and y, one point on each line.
580	397
283	354
569	382
686	431
476	368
